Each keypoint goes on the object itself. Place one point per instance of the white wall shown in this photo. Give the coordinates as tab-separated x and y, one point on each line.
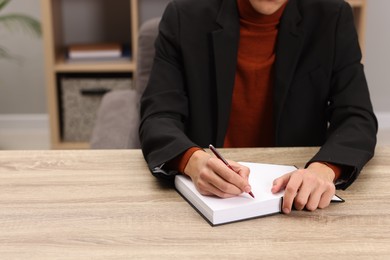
378	53
22	89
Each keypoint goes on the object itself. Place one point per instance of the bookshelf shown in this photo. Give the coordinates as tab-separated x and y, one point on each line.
62	23
65	22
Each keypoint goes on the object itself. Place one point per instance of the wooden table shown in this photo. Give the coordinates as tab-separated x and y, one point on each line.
106	205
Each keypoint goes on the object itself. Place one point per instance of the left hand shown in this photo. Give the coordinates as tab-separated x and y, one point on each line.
309	188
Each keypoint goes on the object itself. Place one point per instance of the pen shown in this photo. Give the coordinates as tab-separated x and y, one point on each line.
219	156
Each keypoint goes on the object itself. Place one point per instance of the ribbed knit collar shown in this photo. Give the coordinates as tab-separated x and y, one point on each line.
261	21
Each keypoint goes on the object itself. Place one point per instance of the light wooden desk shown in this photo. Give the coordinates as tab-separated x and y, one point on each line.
106	204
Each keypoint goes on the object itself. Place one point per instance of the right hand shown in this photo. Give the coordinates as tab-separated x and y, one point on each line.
212	177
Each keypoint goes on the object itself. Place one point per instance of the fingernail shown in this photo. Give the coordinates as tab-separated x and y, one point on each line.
286	210
247	188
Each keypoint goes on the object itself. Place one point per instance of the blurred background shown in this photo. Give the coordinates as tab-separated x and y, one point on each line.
24	108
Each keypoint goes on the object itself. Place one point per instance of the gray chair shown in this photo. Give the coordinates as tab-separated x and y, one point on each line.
117	121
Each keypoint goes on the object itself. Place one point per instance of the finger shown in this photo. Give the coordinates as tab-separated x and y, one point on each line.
214	180
208	189
322	193
309	190
314	200
291	190
280	183
229	176
242	170
302	196
203	183
327	197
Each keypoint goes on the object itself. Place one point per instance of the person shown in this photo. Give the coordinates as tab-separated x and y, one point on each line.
258	73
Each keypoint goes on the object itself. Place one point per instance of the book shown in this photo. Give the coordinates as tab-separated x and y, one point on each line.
98	52
219	211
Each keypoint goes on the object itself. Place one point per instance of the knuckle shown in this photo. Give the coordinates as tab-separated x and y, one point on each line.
204	193
300	202
290	189
331	187
224	187
203	175
297	206
311	207
210	162
246	169
229	178
323	205
201	186
202	190
312	180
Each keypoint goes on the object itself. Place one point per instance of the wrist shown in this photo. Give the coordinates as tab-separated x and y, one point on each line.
323	170
195	159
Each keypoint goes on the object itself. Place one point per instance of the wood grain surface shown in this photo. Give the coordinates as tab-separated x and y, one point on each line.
104	204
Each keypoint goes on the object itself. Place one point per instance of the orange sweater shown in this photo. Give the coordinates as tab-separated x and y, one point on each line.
251	116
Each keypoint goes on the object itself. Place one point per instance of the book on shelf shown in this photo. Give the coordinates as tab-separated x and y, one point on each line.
221	211
98	52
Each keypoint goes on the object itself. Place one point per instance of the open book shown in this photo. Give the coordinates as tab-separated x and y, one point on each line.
220	211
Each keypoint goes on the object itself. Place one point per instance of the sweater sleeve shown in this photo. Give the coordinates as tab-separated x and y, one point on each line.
179	163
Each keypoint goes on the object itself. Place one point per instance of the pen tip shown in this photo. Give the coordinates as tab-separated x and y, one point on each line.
250	193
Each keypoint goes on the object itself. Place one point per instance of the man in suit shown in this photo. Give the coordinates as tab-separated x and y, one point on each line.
242	73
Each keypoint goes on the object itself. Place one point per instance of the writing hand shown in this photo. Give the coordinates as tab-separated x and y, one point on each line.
309	188
212	177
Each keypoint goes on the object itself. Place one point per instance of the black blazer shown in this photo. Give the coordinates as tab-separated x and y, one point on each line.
321	96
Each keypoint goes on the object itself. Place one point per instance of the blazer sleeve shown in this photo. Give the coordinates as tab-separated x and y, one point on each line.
351	136
164	104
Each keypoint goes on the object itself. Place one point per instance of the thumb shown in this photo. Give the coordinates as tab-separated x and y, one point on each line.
280	183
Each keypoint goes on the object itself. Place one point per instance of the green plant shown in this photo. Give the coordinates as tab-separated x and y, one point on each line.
16	21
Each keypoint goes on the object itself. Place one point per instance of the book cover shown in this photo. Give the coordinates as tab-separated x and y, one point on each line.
221	211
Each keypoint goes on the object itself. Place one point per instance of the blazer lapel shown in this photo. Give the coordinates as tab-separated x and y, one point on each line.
288	49
225	45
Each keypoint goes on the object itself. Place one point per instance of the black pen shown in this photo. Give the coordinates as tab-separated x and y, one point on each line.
219	156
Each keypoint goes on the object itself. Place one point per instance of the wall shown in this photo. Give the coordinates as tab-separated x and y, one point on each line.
22	88
378	53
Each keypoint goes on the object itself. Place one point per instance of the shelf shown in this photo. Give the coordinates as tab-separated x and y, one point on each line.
356	3
62	66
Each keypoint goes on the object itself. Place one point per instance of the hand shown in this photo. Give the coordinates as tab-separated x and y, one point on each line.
309	188
212	177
